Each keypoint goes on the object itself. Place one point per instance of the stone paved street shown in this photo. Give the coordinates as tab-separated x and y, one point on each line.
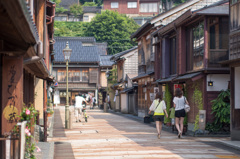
108	135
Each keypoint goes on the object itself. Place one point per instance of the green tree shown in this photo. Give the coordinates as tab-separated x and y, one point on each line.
58	8
113	28
98	2
72	29
57	2
89	4
76	9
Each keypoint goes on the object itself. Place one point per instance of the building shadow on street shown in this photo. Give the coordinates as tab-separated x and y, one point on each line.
145	135
62	149
58	127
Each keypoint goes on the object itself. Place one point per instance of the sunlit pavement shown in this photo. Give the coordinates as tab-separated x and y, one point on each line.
107	135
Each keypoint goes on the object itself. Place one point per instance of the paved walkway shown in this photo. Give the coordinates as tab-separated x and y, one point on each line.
107	135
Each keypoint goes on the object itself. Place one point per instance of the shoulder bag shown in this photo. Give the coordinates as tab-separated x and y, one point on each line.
186	106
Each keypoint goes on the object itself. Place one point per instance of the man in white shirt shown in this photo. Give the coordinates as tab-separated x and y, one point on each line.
78	106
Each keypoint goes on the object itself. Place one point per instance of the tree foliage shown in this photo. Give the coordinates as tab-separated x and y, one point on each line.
58	8
57	2
113	28
221	108
98	2
76	9
72	29
89	4
168	99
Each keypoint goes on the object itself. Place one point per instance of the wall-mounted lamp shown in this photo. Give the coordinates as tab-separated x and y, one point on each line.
210	83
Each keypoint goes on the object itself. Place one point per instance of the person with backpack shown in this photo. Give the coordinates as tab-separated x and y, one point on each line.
158	107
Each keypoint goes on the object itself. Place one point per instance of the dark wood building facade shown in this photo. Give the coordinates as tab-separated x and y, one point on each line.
25	46
234	64
146	77
190	49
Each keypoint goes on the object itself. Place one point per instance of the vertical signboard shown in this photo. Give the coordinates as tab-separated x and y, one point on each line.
12	91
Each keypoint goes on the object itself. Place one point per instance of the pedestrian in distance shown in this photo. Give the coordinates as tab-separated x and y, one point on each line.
158	107
179	102
78	106
109	102
91	100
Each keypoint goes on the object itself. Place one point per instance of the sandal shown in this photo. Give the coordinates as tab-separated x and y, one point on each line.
158	136
179	134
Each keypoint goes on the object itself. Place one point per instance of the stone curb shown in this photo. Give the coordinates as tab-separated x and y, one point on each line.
232	144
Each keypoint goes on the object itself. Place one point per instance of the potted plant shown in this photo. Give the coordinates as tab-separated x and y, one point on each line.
49	112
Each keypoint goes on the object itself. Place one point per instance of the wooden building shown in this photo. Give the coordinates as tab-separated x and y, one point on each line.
83	68
149	61
105	66
126	63
191	48
234	64
146	59
26	39
129	95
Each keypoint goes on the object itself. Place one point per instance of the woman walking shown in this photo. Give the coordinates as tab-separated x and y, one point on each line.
179	101
158	107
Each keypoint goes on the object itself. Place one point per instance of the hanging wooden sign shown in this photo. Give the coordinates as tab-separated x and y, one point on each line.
12	92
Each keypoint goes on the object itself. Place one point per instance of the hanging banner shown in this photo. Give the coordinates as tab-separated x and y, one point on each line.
12	91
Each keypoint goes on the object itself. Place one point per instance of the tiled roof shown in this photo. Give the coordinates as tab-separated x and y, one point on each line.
82	39
187	76
105	60
143	75
91	9
165	80
66	3
116	56
216	9
79	53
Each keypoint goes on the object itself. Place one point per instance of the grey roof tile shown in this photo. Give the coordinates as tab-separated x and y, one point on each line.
79	53
67	3
92	9
105	60
116	56
82	39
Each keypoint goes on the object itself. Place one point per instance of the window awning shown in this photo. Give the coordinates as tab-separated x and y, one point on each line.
142	75
166	80
189	76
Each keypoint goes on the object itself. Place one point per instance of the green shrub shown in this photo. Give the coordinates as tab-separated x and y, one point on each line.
168	99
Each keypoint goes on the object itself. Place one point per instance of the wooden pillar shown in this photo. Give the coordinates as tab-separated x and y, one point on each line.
181	51
12	92
45	109
206	50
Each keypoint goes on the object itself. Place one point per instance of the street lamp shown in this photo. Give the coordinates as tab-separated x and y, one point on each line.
67	53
